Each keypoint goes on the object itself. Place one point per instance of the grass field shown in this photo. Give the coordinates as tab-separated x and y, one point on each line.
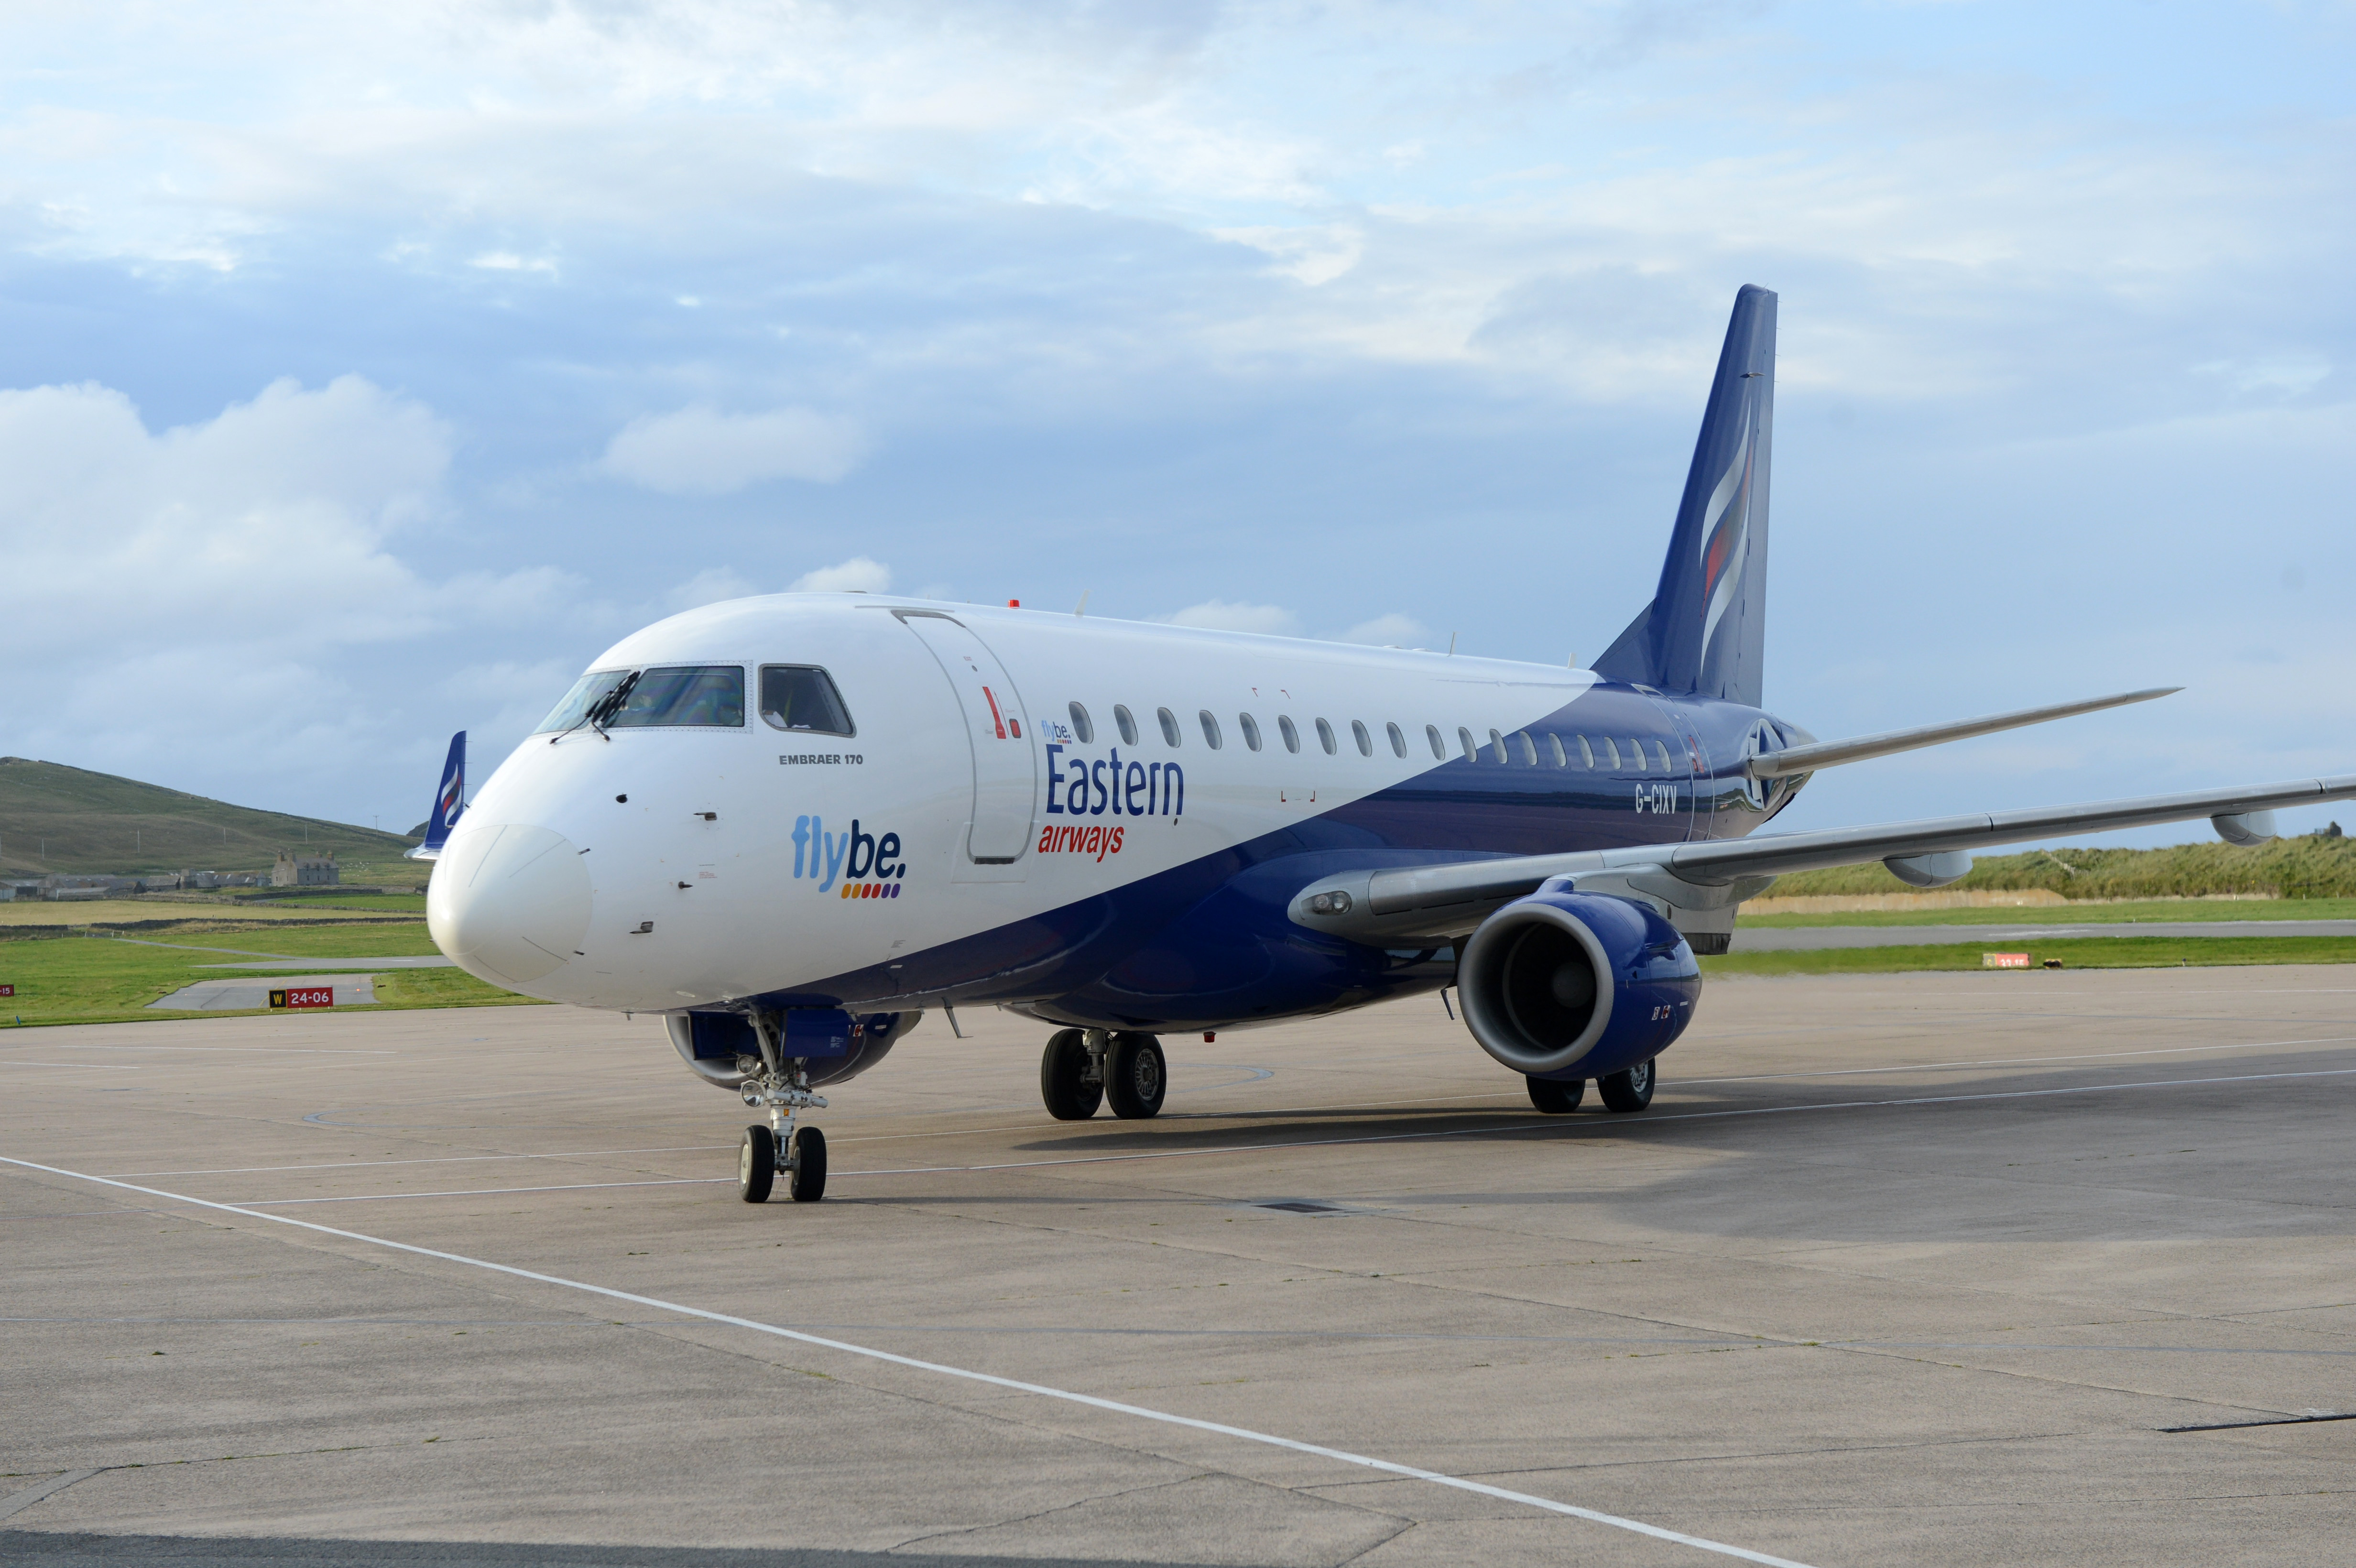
406	903
99	979
155	913
2075	952
2074	915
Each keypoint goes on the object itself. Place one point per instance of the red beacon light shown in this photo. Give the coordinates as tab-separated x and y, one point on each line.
1014	603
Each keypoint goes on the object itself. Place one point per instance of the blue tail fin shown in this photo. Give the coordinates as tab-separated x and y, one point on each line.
449	802
1706	630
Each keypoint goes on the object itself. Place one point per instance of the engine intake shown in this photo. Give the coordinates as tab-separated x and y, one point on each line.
1563	979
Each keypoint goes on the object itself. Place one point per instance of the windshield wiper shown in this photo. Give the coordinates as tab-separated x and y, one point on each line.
598	712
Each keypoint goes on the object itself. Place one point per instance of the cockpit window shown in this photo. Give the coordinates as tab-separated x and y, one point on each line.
682	695
802	696
570	713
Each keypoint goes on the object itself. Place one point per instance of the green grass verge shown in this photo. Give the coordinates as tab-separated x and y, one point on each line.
2073	915
78	979
407	903
2075	952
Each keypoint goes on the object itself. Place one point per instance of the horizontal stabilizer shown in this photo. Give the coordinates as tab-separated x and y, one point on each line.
1817	754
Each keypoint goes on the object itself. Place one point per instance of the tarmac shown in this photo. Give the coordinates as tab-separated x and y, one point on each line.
1926	1268
1806	938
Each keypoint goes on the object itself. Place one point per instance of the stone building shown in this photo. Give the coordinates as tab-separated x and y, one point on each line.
293	871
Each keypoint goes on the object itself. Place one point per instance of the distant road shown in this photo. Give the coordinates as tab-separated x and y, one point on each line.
1802	938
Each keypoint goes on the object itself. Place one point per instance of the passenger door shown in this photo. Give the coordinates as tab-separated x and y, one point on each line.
1005	762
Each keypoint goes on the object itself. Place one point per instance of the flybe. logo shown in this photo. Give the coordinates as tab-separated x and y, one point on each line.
861	865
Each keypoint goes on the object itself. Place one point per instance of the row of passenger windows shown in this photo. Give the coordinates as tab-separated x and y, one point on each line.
1543	749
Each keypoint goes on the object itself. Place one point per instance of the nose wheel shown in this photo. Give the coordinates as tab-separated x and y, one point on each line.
803	1167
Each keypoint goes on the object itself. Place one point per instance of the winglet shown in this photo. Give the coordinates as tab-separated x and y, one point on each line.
449	802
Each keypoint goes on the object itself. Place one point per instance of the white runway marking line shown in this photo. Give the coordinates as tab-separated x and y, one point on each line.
1343	1455
1550	1126
2024	1061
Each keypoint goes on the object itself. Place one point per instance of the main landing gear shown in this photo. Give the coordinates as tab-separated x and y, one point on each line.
783	1088
1082	1068
1622	1091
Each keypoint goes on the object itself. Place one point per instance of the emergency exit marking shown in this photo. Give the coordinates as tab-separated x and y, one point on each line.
303	996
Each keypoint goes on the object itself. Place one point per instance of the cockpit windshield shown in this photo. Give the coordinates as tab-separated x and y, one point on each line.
802	696
676	696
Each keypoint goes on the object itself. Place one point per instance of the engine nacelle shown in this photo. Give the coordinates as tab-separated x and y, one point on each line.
834	1045
1571	985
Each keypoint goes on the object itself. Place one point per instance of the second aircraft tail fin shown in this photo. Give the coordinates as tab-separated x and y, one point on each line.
449	802
1706	630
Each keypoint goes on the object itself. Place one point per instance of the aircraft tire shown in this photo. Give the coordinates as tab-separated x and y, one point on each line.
1554	1097
1629	1091
1062	1083
807	1182
1136	1076
757	1164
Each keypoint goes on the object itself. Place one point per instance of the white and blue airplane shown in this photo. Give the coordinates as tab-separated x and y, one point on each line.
792	824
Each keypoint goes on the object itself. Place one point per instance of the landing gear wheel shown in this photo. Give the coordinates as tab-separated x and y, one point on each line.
1136	1077
807	1180
1554	1097
1629	1091
1062	1078
757	1164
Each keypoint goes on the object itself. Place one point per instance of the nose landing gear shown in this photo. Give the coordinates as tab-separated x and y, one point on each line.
783	1088
1084	1068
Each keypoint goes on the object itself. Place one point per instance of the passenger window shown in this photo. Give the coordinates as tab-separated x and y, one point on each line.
802	696
1637	755
1085	731
1497	745
685	696
1121	716
1170	735
1210	730
1585	754
1250	727
1291	736
1662	753
1464	738
1553	751
1366	741
1439	746
1528	748
1398	740
1611	753
1325	737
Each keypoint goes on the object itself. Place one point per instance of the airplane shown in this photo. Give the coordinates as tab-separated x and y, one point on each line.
790	824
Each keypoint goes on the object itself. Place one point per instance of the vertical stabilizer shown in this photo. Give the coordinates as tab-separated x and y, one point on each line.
449	802
1706	630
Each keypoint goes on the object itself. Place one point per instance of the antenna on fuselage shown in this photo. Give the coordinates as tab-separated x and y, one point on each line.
1082	608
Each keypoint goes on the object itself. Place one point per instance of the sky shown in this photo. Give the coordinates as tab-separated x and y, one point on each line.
365	370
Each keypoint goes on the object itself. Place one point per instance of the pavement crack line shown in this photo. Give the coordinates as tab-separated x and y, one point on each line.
22	1500
1037	1514
1340	1455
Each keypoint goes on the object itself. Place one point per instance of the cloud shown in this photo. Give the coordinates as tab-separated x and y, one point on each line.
1387	632
857	575
699	450
710	586
1218	615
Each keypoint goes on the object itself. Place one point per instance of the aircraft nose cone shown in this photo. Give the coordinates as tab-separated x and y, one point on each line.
509	902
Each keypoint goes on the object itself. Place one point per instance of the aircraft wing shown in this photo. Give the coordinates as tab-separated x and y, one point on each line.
1699	884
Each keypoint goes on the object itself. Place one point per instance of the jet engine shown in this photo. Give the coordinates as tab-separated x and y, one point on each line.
722	1048
1568	985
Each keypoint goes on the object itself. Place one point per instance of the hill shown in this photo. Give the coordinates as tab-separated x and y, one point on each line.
2313	866
57	818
